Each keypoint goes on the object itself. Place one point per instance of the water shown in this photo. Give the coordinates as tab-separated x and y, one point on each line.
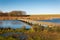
13	24
52	20
20	36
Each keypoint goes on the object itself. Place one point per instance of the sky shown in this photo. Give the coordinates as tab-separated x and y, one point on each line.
32	7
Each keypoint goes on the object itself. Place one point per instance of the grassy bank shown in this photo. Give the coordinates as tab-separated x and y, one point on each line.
36	32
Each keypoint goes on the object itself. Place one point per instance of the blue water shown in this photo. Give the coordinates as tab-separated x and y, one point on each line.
12	34
13	24
52	20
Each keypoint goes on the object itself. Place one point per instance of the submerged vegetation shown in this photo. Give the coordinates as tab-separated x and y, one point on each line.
36	32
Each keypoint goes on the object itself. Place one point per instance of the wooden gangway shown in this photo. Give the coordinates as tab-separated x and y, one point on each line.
50	24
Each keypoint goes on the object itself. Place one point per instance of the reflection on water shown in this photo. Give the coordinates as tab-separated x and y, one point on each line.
53	20
13	24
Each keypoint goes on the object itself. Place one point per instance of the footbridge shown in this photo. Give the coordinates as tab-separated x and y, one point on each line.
32	22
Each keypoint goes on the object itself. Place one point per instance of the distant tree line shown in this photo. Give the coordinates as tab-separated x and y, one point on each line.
13	13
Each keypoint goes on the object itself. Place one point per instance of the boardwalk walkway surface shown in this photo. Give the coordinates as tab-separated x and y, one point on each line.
50	24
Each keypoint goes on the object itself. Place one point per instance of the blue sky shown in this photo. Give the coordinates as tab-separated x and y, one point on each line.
32	7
